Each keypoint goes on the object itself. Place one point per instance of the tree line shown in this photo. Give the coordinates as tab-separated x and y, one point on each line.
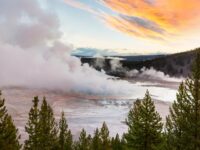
146	130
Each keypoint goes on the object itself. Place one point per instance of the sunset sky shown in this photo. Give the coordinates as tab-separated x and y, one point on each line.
128	26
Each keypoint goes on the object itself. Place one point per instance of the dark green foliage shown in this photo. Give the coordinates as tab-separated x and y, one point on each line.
96	140
101	139
32	127
169	136
47	128
9	138
124	142
104	135
184	120
144	126
116	143
41	128
176	121
65	136
84	142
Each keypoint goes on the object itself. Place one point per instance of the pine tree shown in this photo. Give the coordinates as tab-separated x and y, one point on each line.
169	136
104	135
32	127
48	132
9	138
116	143
124	142
185	112
65	136
176	121
96	140
144	126
84	142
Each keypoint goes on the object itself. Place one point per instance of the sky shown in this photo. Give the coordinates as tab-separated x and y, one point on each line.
127	26
123	27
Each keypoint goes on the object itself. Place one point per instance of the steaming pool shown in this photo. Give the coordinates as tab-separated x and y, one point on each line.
88	111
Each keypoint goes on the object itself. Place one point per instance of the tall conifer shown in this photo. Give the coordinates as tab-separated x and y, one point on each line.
104	135
84	142
9	138
96	140
184	115
32	127
48	131
65	136
116	143
144	126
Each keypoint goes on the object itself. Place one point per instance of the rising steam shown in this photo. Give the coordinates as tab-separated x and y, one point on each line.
32	55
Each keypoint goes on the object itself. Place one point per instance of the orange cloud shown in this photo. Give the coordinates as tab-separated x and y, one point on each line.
150	19
134	27
171	15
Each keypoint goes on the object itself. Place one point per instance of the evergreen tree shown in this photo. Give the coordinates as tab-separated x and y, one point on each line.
184	115
48	139
169	136
124	142
104	135
96	141
116	143
144	126
65	136
9	138
176	121
32	127
84	142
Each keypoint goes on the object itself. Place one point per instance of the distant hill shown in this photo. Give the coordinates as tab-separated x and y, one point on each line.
138	57
177	65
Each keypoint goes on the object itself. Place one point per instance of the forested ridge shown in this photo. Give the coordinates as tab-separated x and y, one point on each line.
176	65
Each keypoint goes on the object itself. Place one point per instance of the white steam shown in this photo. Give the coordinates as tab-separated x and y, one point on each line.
152	74
115	64
31	54
54	70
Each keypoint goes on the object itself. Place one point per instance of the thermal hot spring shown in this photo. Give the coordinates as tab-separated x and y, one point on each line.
89	111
